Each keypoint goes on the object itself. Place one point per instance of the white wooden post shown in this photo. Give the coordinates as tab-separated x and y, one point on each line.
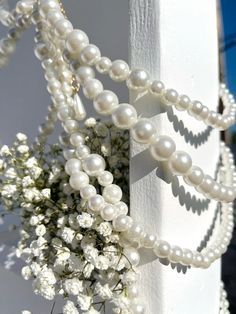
176	41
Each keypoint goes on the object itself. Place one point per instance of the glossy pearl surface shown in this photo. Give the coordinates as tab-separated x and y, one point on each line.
180	163
93	165
162	147
106	102
112	193
143	131
125	116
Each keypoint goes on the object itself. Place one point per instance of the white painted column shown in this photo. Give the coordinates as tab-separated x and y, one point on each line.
176	41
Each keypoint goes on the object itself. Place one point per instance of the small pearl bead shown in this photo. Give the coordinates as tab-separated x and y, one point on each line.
68	153
84	73
204	113
71	126
143	131
132	291
79	180
132	255
96	203
183	103
122	223
76	41
230	195
112	193
103	65
122	208
92	88
93	165
82	152
180	163
48	6
119	71
137	309
215	190
73	165
157	88
90	55
106	102
187	258
125	116
195	176
176	254
88	191
206	185
54	16
76	139
105	178
149	241
197	259
134	233
170	96
162	248
64	113
196	109
63	27
138	80
162	147
212	118
108	212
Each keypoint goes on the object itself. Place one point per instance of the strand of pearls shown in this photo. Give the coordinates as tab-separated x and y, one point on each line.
224	303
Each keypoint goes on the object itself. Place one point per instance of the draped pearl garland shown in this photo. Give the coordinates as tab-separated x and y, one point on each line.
67	58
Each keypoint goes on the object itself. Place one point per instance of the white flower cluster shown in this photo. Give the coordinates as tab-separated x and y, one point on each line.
68	249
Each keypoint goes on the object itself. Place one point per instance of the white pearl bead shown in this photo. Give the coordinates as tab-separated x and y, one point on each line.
122	223
79	180
93	165
88	191
103	65
195	176
206	185
125	116
7	46
71	126
204	113
105	178
79	109
230	195
137	309
96	203
183	103
132	291
122	208
76	139
176	254
72	165
46	7
64	113
215	190
197	259
119	71
143	131
187	258
135	233
196	109
112	193
84	73
68	153
108	212
90	55
82	152
149	241
157	88
180	163
162	248
63	27
138	80
76	41
132	256
92	88
212	118
162	147
106	102
170	96
54	16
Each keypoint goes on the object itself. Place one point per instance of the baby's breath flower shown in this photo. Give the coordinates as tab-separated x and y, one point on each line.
70	308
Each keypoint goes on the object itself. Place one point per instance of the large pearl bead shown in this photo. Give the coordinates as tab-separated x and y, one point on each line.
206	185
143	131
88	191
132	291
72	165
108	212
176	254
196	109
125	116
149	241
106	102
162	147
122	223
76	139
82	152
180	163
92	88
119	70
54	16
63	27
183	103
138	80
71	126
96	203
105	178
157	88
103	65
84	73
195	176
112	193
162	248
48	6
132	256
90	55
93	165
76	41
122	208
79	180
170	96
187	258
137	308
